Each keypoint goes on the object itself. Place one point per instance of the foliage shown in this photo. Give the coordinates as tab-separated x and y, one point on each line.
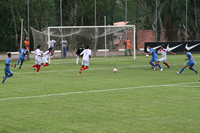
44	13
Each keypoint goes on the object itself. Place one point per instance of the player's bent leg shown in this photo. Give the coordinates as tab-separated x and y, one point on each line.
166	64
182	69
86	67
157	64
77	58
16	64
46	64
21	65
191	68
150	62
38	68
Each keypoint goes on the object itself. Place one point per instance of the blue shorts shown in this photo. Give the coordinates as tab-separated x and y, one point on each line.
20	59
190	63
8	71
155	59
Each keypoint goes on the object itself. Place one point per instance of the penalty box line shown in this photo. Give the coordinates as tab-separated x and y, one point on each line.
94	91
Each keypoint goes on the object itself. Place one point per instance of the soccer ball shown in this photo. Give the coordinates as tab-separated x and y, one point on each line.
147	55
115	70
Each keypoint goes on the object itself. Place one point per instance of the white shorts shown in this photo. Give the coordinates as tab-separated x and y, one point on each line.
162	60
44	60
38	61
85	62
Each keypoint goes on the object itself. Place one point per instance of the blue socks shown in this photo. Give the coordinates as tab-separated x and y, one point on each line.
4	78
8	76
192	69
182	70
20	65
159	66
152	64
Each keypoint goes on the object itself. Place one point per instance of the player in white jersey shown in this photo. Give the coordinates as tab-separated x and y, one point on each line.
52	42
86	55
38	60
45	57
163	53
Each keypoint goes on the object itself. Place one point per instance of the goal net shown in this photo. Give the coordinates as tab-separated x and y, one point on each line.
103	40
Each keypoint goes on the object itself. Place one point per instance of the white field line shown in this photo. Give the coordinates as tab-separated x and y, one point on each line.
93	91
191	86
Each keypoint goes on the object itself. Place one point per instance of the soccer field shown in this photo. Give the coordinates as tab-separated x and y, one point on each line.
135	99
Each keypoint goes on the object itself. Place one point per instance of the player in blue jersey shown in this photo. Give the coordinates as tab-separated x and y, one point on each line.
154	58
8	72
21	58
190	62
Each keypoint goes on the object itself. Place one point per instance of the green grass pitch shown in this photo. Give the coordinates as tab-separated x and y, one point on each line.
135	99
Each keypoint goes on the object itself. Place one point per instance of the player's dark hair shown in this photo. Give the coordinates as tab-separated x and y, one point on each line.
38	46
185	50
148	46
9	54
50	48
162	45
87	47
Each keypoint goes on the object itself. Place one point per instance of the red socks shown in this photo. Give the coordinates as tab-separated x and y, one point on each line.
85	68
38	68
45	64
34	65
166	64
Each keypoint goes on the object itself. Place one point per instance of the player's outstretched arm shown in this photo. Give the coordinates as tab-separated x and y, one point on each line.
172	53
147	53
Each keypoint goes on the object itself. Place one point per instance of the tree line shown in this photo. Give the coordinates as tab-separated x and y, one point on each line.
171	17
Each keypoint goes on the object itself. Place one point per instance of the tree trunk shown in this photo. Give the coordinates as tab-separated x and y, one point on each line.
36	22
160	21
83	10
195	21
15	25
137	23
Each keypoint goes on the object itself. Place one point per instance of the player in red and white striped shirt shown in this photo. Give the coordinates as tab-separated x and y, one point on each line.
163	53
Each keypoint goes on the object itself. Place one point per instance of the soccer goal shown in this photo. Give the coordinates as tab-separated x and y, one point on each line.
103	40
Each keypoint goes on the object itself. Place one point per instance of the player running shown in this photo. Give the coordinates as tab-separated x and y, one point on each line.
154	58
190	62
45	57
163	53
21	58
38	60
8	72
79	50
85	60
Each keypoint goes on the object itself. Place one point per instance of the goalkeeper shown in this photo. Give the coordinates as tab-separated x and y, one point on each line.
78	52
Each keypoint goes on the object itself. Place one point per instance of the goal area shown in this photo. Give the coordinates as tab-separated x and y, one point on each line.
103	40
